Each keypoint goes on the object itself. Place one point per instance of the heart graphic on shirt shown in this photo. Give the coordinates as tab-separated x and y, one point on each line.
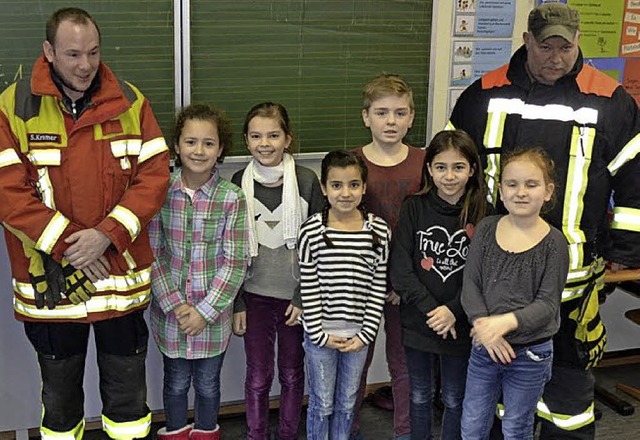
427	263
443	253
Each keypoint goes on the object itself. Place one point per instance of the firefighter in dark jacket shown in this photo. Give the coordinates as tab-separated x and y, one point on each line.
546	96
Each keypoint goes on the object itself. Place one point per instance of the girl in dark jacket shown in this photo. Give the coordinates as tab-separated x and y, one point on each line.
428	252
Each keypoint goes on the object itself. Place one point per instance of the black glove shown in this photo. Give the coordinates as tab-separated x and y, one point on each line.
46	276
79	288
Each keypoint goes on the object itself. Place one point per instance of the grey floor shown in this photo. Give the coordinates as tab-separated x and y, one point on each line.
377	423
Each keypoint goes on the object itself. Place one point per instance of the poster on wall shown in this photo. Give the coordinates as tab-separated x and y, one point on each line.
481	41
484	18
600	27
630	39
472	59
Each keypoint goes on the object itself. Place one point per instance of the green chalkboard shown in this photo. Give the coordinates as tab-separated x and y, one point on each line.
137	43
313	56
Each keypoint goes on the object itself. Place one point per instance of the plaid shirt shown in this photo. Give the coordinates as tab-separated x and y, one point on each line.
200	259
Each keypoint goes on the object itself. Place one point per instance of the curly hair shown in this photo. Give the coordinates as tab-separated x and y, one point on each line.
205	112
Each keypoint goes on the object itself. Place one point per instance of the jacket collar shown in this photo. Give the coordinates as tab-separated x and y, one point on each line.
106	102
442	206
104	88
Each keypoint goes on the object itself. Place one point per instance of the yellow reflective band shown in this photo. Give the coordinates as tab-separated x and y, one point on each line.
584	274
117	283
500	411
580	273
45	188
555	112
131	263
8	157
581	150
569	294
566	422
74	434
96	304
151	148
449	126
493	139
126	147
52	233
498	109
576	254
625	155
50	157
627	219
127	219
127	430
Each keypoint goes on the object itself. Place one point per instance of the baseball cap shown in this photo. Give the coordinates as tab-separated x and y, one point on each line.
554	20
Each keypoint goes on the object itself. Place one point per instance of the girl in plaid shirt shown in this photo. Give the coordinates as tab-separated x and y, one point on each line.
199	242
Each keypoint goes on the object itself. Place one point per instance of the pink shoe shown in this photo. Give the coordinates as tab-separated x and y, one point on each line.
198	434
180	434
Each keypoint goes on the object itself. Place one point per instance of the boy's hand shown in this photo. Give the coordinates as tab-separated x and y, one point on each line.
240	323
293	314
441	320
336	342
191	322
353	344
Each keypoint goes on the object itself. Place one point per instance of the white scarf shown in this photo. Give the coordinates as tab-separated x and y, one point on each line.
291	209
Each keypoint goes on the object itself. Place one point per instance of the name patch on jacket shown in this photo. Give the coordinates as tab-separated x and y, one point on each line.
44	137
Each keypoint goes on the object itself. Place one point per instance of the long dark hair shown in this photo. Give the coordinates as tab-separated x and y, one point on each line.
474	206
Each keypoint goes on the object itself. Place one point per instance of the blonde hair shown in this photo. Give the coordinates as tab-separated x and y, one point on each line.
383	85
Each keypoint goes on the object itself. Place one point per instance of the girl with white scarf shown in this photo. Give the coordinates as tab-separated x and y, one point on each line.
280	196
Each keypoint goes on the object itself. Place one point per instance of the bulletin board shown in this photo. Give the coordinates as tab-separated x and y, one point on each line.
610	39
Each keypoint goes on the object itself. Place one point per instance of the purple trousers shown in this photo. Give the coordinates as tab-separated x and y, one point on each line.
396	363
266	324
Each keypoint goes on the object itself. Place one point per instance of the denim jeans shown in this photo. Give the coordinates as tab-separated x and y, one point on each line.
266	327
453	373
178	374
394	351
334	378
520	382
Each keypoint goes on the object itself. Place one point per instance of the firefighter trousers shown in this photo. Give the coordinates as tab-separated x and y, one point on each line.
121	346
567	407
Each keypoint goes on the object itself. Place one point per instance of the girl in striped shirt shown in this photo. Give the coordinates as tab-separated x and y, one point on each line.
343	263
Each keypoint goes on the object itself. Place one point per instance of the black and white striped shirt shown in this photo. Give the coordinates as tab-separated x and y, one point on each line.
343	282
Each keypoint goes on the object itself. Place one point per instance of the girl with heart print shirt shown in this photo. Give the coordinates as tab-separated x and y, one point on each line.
428	253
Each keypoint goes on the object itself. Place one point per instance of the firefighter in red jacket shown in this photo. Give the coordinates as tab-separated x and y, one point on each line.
83	169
